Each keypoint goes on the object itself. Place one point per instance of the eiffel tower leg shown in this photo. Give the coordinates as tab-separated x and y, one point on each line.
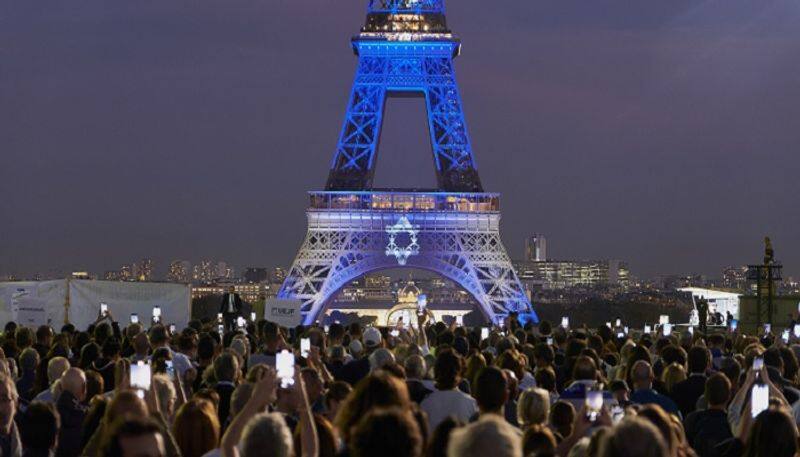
338	250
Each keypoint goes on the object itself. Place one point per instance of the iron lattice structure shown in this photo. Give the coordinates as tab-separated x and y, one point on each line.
405	48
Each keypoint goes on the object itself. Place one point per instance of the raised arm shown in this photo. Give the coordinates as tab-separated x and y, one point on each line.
264	393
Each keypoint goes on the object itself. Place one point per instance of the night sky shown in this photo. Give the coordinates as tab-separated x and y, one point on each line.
665	133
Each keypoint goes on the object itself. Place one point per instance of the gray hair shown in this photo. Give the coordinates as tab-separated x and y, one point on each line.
489	436
226	367
29	359
266	434
380	358
56	367
415	367
533	406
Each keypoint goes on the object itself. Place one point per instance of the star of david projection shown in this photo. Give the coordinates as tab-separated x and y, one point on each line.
402	253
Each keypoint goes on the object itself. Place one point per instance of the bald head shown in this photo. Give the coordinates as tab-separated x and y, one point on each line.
74	382
642	375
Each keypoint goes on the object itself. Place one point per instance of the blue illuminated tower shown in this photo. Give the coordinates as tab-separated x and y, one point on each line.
405	48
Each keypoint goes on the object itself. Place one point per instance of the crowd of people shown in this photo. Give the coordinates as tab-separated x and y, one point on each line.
437	390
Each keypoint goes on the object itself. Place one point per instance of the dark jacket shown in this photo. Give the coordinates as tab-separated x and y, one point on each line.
705	430
225	391
72	413
237	303
686	393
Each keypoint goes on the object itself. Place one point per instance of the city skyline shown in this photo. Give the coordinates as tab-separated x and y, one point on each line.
660	135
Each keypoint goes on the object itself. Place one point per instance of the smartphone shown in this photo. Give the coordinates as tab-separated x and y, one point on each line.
326	328
221	329
594	403
104	309
395	333
219	317
608	324
549	340
241	322
691	330
565	322
253	316
618	323
734	325
484	333
170	370
305	346
785	336
156	311
767	328
758	363
284	364
667	329
759	400
663	319
460	321
625	329
797	330
620	335
140	376
648	329
422	303
134	318
172	328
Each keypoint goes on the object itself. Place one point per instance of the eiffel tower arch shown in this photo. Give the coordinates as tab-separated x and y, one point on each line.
354	229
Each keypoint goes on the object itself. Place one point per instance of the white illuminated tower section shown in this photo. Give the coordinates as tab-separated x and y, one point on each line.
405	48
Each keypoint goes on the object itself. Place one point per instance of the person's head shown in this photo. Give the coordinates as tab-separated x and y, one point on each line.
533	406
585	369
226	367
74	381
231	290
699	359
562	416
134	437
8	401
95	385
378	389
159	336
634	437
206	346
29	360
718	391
165	394
266	434
24	337
196	428
337	393
380	358
773	434
372	338
673	374
619	389
141	344
538	440
491	436
39	426
44	335
642	375
491	390
447	369
387	432
415	367
660	419
125	404
56	367
437	447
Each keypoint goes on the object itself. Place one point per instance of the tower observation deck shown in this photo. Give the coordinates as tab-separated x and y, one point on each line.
404	48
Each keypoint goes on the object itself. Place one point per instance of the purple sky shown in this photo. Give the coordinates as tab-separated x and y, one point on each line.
664	133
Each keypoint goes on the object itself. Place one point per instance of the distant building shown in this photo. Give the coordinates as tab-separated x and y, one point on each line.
536	248
81	275
144	270
203	272
735	277
179	271
250	293
223	271
256	275
563	274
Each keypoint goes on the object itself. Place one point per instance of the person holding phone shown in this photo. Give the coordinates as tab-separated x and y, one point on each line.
230	308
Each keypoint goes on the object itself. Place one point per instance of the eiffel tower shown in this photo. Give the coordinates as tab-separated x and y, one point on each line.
405	48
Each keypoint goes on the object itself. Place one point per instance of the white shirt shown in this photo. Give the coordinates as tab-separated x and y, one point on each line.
230	303
443	403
